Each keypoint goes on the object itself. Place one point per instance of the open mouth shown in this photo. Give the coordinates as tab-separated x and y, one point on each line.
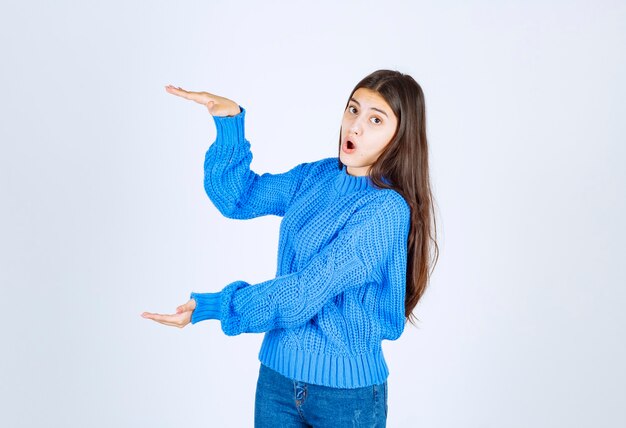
349	147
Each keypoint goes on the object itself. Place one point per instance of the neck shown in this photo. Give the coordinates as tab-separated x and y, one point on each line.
360	171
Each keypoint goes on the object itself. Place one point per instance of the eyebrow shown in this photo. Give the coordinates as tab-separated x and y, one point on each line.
373	108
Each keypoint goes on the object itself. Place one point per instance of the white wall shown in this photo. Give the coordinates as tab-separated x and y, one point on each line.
104	215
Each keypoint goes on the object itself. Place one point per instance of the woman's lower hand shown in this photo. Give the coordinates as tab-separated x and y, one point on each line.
217	106
181	318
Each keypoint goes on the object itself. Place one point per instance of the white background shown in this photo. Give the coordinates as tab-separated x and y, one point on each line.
104	214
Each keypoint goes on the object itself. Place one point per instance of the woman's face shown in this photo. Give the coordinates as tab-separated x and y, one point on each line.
367	127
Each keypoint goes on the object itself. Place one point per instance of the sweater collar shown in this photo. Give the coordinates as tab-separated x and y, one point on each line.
346	183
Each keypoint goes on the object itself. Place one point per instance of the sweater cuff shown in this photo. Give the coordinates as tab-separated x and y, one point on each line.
231	127
207	306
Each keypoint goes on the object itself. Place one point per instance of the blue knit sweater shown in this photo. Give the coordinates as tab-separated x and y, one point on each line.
340	282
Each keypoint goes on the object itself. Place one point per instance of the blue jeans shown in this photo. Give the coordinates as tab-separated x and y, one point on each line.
286	403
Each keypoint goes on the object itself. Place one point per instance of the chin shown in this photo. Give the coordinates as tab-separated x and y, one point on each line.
346	162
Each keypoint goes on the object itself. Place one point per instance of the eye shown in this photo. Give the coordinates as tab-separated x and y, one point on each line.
375	118
350	109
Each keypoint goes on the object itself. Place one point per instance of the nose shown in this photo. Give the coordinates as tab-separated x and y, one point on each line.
355	128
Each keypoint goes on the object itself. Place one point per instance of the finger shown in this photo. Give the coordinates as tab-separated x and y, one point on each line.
180	91
176	90
169	323
172	320
159	317
215	109
198	97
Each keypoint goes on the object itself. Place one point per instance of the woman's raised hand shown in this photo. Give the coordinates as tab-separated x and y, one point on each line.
217	106
181	318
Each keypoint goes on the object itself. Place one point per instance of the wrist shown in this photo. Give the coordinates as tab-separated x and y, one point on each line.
235	111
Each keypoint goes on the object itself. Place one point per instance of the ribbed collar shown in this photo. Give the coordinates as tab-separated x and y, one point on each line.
346	183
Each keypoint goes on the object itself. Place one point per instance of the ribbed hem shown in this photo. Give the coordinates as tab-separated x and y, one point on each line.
231	128
321	369
207	306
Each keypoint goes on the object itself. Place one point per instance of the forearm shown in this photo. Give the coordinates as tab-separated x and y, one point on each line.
227	171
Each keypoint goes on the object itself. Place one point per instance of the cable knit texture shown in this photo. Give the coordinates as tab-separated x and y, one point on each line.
340	282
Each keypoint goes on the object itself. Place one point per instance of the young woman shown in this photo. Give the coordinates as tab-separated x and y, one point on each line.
354	255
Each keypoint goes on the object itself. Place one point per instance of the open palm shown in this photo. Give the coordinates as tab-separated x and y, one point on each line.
217	106
181	318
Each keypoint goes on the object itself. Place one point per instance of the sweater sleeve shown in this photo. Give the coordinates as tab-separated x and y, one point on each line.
235	190
360	253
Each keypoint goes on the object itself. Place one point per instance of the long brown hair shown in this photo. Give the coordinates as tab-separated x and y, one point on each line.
404	165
